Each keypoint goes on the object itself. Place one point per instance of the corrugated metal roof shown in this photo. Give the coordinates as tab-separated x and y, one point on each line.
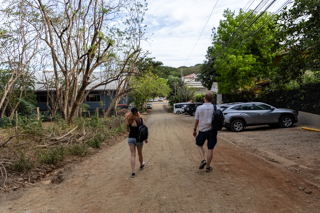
190	76
97	78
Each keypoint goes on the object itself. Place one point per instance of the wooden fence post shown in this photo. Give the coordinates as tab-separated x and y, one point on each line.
38	114
97	112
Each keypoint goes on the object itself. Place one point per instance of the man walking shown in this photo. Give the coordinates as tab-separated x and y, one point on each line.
203	118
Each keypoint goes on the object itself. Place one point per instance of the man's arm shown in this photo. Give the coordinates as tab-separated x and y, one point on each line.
196	123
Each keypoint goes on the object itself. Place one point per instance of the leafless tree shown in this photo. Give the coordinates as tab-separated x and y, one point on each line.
84	36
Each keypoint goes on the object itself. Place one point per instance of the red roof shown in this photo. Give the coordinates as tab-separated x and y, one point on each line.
190	76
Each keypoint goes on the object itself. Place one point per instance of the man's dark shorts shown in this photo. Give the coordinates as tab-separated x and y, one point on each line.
210	135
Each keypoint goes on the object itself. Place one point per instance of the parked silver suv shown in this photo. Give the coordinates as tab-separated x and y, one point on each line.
240	115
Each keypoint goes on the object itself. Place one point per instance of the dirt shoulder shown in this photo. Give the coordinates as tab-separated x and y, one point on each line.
171	181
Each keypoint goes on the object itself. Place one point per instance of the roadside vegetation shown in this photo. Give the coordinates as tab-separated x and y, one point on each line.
33	148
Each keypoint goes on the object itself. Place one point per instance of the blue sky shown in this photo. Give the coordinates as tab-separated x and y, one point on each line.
174	27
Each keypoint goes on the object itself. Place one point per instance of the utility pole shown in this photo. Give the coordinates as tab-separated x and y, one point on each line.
181	71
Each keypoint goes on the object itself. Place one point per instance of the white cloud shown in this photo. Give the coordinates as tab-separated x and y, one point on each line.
175	26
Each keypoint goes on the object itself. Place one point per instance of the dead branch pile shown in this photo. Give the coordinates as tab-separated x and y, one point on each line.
67	138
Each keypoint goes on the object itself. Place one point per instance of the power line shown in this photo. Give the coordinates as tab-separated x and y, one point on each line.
249	4
255	20
254	33
202	30
233	37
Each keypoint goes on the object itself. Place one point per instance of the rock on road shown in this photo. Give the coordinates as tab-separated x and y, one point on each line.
171	180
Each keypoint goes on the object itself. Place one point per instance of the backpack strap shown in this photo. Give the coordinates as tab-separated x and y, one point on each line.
215	107
139	122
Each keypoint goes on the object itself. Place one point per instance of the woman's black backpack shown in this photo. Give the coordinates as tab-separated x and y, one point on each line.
217	119
142	131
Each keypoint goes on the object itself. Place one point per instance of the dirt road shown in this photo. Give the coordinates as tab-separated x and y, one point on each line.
171	180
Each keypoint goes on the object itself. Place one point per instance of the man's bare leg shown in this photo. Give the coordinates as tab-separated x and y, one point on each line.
201	151
209	157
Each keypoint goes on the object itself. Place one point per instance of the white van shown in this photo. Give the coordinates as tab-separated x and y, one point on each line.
177	108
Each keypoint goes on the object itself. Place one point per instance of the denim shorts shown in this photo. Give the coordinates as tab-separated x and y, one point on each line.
134	141
210	135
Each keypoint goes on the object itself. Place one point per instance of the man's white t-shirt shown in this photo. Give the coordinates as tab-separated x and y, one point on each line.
204	115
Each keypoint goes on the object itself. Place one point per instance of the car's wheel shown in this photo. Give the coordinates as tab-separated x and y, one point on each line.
178	112
286	121
237	125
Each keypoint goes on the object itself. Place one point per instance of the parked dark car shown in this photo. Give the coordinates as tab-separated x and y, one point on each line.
240	115
191	108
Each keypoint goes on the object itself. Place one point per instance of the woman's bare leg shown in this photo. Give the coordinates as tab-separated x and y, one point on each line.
133	157
140	154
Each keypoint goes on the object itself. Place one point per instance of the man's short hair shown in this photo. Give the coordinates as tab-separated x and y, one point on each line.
209	96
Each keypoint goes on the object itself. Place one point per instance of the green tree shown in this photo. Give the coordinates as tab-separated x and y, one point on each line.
299	37
157	68
148	86
183	94
174	84
208	74
239	58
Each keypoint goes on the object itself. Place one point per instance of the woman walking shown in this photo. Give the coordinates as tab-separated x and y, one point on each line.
133	119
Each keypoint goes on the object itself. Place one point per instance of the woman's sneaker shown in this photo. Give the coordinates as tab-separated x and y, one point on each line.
143	163
133	175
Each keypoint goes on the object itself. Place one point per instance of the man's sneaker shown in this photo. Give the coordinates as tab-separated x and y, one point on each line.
133	175
143	163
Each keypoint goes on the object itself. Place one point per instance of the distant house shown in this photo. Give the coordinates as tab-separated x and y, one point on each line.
192	81
100	96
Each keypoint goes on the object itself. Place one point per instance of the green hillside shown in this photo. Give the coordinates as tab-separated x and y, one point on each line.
187	70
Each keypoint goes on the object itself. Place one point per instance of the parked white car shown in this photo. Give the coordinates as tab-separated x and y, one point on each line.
177	108
161	99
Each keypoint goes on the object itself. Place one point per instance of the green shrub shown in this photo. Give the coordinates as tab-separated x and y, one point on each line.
23	164
53	155
31	125
199	97
78	150
96	141
5	122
